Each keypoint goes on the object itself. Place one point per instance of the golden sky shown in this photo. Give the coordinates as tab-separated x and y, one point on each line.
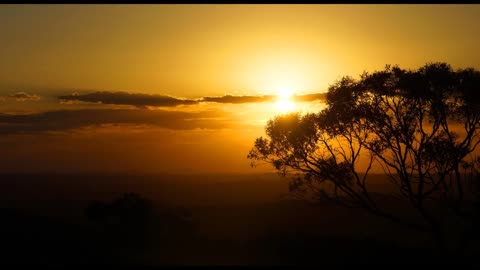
194	50
190	52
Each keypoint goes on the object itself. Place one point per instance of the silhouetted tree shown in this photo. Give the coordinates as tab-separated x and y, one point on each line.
420	127
125	219
130	209
132	220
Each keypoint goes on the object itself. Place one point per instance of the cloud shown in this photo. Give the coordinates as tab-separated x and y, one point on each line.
253	99
310	97
238	99
64	120
20	96
124	98
142	100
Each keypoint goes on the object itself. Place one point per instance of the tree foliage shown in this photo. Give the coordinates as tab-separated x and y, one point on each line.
420	127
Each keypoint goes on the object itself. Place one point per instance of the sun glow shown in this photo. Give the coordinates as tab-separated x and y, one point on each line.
284	93
285	105
284	102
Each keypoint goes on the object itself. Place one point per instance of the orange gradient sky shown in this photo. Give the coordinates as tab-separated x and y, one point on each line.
195	50
192	52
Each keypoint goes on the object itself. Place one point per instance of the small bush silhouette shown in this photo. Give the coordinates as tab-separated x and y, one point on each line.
125	220
133	221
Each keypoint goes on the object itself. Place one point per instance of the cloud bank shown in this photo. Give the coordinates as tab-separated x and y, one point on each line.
238	99
142	100
310	97
124	98
20	96
64	120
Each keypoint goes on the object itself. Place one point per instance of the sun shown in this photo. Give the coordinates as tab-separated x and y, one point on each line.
284	93
285	105
284	100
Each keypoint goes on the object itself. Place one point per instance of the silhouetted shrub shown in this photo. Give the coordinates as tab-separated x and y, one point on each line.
125	221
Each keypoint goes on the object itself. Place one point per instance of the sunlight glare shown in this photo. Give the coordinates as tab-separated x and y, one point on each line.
284	93
285	105
284	102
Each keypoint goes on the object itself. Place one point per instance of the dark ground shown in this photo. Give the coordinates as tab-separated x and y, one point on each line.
196	220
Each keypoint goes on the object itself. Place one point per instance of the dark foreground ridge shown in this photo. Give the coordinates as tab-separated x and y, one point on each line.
128	229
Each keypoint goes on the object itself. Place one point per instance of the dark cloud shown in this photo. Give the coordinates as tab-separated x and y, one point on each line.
238	99
142	100
124	98
253	99
310	97
71	119
21	96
